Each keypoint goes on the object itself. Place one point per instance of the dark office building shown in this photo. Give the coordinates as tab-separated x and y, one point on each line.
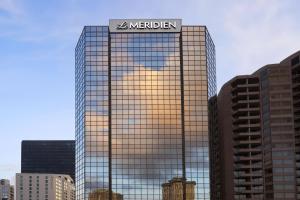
215	153
142	90
257	137
48	157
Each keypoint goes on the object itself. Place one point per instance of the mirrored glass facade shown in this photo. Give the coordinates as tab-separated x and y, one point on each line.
142	113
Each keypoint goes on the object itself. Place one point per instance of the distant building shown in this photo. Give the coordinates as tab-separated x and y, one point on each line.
12	193
6	190
44	186
103	194
173	190
48	157
257	140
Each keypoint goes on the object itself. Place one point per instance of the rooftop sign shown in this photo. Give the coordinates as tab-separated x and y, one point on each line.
145	25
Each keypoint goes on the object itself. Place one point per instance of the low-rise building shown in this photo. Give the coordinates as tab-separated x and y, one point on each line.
44	186
6	190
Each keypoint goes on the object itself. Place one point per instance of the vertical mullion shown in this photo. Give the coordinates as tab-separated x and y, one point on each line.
182	117
109	122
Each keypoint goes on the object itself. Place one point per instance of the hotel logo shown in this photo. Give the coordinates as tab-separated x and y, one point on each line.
122	26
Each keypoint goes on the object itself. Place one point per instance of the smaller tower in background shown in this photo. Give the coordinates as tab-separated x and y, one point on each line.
173	190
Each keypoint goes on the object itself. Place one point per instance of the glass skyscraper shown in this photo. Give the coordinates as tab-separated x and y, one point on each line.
142	90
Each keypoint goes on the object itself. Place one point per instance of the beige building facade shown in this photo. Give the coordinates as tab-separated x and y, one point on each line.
44	187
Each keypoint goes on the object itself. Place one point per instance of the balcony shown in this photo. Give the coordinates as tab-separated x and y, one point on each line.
254	141
247	158
246	134
247	150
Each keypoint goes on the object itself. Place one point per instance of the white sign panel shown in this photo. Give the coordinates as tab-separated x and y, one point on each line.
145	25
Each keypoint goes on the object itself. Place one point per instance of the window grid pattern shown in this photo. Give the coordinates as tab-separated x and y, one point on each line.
211	65
278	126
146	113
195	71
93	121
79	115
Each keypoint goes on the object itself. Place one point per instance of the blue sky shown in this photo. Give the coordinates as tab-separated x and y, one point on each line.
37	41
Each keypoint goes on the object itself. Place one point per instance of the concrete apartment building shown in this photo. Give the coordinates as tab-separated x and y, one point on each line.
255	149
31	186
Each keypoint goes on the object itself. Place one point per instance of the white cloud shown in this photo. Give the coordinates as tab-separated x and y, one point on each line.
261	32
10	6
